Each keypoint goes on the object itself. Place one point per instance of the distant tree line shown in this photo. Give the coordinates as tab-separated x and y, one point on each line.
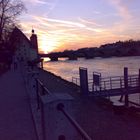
120	48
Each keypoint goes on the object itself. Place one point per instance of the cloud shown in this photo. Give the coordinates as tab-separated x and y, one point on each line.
122	26
122	8
84	31
66	22
62	32
85	21
68	25
38	2
50	5
41	2
97	12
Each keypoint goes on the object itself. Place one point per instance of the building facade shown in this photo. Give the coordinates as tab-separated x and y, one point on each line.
23	48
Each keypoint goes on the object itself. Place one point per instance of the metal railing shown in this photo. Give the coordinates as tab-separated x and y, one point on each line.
117	82
110	82
76	80
135	104
41	90
33	82
84	135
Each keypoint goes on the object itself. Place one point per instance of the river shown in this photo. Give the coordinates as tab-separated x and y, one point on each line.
106	66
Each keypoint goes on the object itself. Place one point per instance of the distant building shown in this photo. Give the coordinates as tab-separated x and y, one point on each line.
23	48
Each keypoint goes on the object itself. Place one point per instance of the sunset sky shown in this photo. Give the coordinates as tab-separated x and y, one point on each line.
73	24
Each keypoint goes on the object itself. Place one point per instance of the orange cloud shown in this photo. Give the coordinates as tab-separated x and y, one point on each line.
56	34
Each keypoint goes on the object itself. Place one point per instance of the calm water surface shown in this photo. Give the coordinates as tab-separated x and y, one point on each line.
106	66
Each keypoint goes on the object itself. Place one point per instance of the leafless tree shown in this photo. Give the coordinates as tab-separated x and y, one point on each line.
9	11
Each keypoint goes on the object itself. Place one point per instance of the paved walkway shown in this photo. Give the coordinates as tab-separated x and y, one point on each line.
15	115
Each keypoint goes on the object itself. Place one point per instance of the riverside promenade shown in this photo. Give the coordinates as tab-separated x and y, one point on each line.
95	116
16	121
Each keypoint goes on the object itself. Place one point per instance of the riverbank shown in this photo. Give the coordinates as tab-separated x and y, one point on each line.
56	84
95	115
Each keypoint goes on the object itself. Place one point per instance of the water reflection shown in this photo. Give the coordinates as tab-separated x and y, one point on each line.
106	66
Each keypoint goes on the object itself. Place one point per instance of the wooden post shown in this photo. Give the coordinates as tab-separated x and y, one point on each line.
83	81
126	85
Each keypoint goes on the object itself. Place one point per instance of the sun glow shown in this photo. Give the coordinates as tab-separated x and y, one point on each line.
61	25
58	35
47	45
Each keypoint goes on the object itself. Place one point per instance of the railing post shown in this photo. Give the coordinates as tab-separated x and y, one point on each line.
139	79
72	80
110	83
37	94
43	122
126	85
105	85
76	82
129	81
42	88
120	83
97	81
42	64
42	115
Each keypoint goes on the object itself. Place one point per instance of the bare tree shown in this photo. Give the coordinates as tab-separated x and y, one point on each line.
9	11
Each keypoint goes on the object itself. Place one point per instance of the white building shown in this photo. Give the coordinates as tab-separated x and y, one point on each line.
24	49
